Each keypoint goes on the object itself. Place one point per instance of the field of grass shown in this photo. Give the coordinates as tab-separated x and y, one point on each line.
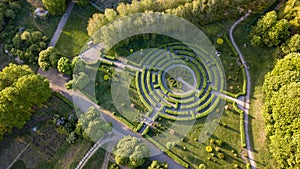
96	160
47	145
193	152
74	35
260	61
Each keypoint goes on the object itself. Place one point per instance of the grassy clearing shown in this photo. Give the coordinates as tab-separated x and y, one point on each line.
25	19
48	148
260	61
74	35
193	152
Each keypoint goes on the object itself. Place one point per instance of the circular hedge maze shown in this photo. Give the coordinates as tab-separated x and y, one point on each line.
177	84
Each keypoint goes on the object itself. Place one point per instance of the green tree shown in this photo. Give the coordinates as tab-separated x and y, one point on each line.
49	58
129	151
158	165
281	110
18	94
291	45
92	126
55	7
81	80
64	66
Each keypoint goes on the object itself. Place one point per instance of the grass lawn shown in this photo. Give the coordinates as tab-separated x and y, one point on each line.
193	152
25	19
74	35
47	146
260	61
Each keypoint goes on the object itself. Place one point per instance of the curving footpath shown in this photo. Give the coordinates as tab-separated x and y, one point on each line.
247	98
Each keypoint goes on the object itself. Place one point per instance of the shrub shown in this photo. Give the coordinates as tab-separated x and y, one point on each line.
220	41
72	137
221	155
219	142
217	149
208	149
202	166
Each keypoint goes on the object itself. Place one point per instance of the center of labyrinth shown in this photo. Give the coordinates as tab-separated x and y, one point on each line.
178	85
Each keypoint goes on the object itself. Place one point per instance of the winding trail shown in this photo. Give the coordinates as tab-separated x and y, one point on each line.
246	99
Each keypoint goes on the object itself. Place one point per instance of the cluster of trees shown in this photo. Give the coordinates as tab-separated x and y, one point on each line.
58	7
199	12
27	45
279	29
281	110
269	31
131	152
49	58
91	126
8	12
20	90
55	7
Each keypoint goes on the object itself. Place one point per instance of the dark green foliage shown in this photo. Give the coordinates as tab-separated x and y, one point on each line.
55	7
291	45
92	126
27	45
269	31
129	151
20	90
49	58
64	66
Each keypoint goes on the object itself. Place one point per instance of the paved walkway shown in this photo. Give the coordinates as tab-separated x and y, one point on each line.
247	98
61	24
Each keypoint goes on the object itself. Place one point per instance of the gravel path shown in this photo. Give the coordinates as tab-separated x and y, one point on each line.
247	98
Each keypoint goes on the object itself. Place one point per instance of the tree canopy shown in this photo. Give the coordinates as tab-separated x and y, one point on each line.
55	7
281	110
49	58
129	151
27	45
64	66
92	126
158	165
20	89
269	31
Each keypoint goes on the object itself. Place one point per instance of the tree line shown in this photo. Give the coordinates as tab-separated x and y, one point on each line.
281	110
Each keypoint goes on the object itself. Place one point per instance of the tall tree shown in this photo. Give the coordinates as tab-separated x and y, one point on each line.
64	66
55	7
129	151
22	90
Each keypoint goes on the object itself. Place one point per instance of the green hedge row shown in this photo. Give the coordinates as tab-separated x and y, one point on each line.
176	112
230	45
139	91
107	62
133	63
209	110
153	78
145	131
209	101
181	96
170	117
138	127
168	152
242	126
64	99
110	57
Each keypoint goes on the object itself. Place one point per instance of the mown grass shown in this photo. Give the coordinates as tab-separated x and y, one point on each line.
74	35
